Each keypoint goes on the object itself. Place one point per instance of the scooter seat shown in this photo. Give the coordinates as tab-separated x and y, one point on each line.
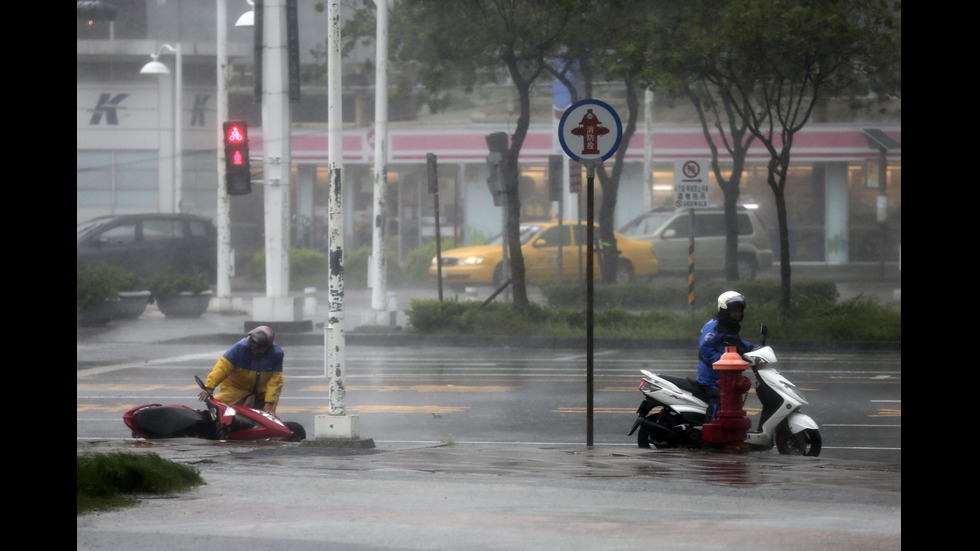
687	384
170	422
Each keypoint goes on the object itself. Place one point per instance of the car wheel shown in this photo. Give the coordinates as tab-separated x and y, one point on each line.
624	271
498	276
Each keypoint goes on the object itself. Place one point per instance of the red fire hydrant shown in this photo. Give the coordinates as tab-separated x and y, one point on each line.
728	430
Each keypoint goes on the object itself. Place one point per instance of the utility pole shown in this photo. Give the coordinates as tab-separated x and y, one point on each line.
379	240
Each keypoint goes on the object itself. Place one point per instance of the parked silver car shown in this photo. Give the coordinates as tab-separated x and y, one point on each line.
669	230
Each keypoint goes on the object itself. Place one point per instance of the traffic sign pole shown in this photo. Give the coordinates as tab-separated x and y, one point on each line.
690	191
589	140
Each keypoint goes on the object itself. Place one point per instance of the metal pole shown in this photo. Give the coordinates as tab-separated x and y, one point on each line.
589	295
276	146
561	224
336	352
648	150
178	129
690	268
335	211
379	240
223	211
882	209
433	177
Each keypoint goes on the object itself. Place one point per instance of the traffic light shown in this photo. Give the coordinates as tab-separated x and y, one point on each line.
96	10
238	173
497	144
555	177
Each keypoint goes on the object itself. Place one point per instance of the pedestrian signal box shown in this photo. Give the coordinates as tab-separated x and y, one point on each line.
238	172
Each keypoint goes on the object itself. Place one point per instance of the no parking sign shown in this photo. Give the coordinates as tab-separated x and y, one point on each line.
691	184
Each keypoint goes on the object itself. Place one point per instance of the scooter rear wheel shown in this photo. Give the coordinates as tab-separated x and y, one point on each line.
806	442
645	438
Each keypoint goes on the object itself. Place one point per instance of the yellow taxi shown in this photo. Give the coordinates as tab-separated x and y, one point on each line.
540	244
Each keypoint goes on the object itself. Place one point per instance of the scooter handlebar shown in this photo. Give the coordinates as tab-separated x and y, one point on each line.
200	383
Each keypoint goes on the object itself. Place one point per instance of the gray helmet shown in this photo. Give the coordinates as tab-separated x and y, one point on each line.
262	336
730	299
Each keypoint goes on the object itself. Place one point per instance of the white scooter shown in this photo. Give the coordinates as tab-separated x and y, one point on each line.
672	411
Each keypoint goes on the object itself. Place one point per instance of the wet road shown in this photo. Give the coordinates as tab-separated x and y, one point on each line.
473	395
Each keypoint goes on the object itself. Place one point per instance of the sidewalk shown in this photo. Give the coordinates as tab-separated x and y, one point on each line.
504	497
362	326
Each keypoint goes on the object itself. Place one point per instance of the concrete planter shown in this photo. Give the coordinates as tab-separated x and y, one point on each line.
127	305
132	304
185	304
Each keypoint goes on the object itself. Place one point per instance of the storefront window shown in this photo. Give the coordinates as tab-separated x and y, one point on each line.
199	186
136	179
116	179
93	179
871	240
805	208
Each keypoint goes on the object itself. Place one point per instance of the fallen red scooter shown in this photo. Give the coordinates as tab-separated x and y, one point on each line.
220	421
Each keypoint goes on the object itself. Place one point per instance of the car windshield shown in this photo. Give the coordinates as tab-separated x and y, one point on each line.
527	232
645	223
86	227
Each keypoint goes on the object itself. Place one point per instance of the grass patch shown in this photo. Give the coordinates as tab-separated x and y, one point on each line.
107	480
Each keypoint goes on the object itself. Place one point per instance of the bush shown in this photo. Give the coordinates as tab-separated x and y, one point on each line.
434	316
810	318
415	271
95	285
173	282
307	268
644	296
356	268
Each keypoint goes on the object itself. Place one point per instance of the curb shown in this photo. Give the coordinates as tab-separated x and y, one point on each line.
497	341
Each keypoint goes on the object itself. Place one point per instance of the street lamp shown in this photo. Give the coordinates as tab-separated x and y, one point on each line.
247	19
155	67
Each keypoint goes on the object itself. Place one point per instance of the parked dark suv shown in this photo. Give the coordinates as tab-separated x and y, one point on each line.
147	244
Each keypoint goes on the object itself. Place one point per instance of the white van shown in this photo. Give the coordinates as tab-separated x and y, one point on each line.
670	229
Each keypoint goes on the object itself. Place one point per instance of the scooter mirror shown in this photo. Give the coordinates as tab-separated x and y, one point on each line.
200	383
764	331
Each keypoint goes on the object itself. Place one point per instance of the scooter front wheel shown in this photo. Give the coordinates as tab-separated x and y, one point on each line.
299	433
806	442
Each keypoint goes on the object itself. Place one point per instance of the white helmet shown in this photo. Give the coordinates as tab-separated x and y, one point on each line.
730	299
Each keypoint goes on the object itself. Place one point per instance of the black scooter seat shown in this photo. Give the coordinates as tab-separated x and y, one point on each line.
171	422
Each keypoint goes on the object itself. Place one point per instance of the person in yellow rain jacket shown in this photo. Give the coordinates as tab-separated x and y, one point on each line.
250	372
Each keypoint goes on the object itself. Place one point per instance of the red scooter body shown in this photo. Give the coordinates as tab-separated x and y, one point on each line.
219	422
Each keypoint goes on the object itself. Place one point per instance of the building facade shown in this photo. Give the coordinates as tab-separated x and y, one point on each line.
145	144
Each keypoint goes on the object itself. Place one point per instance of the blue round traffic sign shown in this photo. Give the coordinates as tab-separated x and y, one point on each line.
590	130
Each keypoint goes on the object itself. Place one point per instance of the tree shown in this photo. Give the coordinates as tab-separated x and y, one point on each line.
773	61
621	56
442	47
609	42
681	57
